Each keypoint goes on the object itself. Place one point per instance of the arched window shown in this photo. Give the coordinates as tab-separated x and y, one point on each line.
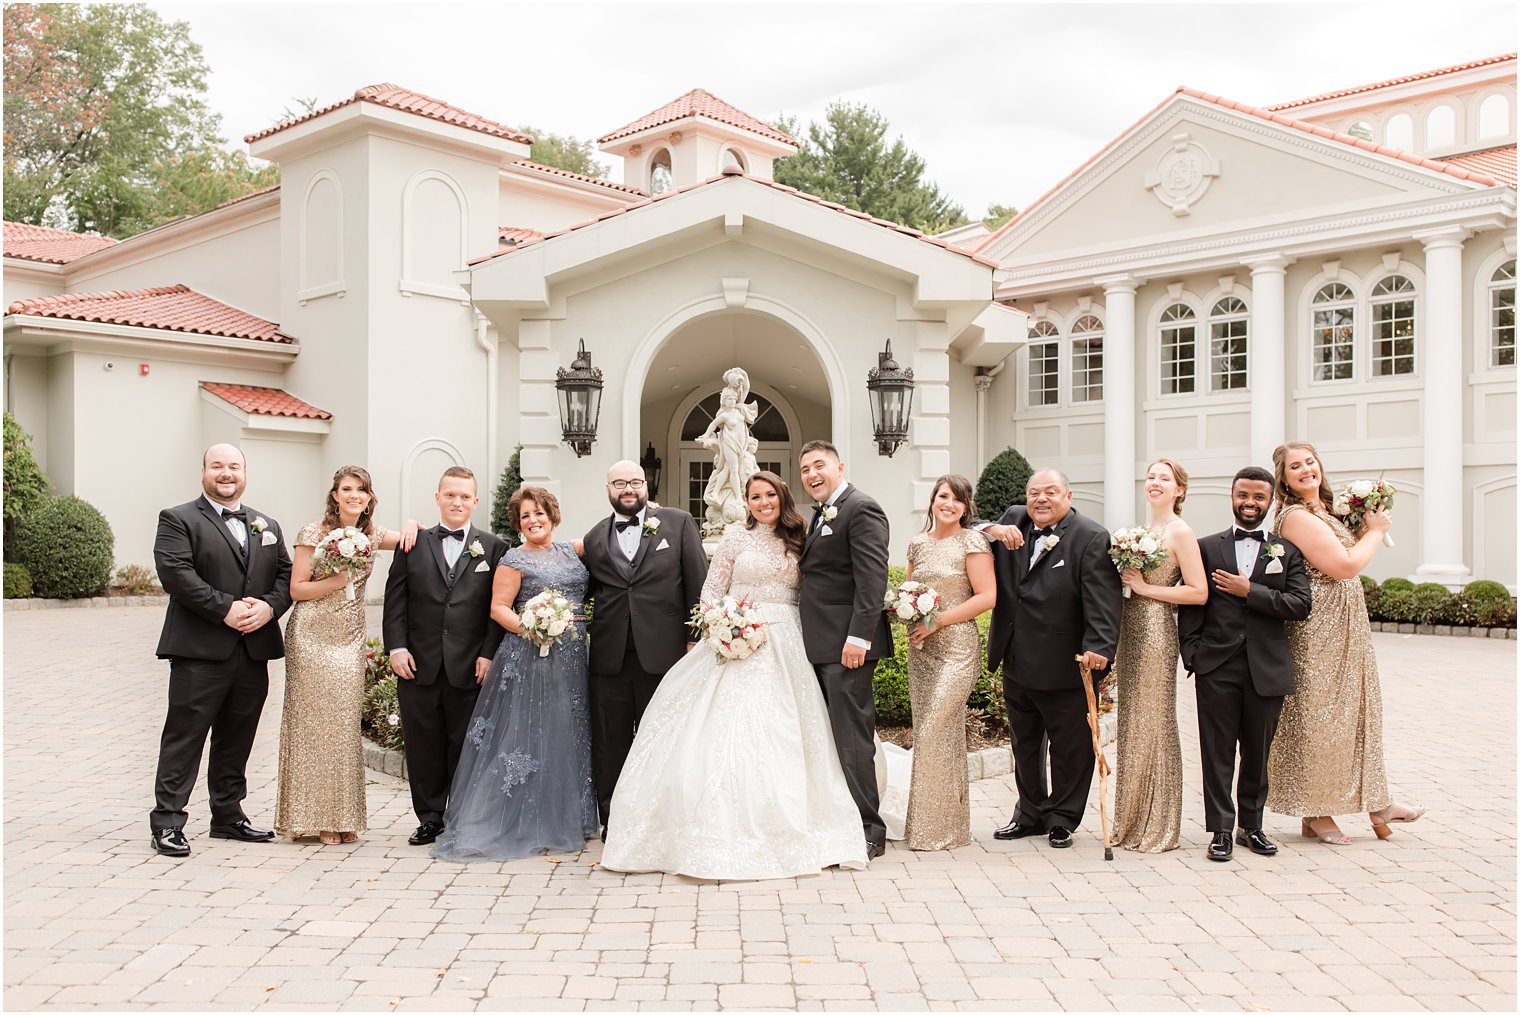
1333	327
732	158
1087	360
1501	303
769	424
1493	118
660	178
1229	323
1393	327
1179	350
1044	364
1440	128
1399	133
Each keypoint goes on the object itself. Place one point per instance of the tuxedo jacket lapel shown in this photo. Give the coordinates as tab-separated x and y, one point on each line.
815	534
615	549
1060	533
644	540
215	518
435	547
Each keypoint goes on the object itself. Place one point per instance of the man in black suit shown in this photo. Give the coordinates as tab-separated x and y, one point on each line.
647	568
225	568
1059	597
1235	646
844	627
440	637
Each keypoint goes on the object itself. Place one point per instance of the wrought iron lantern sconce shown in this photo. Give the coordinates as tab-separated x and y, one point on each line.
891	391
651	466
580	402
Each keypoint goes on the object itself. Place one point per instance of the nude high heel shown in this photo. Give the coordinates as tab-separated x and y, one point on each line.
1331	838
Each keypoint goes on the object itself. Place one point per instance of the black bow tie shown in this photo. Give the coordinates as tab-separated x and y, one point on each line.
1044	532
1255	534
240	514
444	532
624	524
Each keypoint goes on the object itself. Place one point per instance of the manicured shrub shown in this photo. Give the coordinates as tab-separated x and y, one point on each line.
1492	604
381	719
1395	604
1460	611
1002	484
1428	602
137	580
511	479
67	545
1397	585
1371	594
18	582
25	483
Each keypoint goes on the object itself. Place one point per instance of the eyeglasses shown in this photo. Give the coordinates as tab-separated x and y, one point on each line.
627	484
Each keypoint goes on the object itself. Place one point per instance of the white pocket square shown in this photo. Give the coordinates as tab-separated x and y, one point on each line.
482	566
664	545
1275	567
1059	563
269	537
825	531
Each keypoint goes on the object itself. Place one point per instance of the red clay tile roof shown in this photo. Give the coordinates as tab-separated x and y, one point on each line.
55	246
516	236
1422	76
265	401
556	171
1496	162
396	97
171	308
252	193
698	103
648	201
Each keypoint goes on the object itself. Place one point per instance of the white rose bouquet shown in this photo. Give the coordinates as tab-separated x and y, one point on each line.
731	627
1360	497
1136	547
545	618
913	600
346	551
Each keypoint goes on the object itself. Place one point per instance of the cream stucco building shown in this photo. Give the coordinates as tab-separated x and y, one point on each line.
1218	278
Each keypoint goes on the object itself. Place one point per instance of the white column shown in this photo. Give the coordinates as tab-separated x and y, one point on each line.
1267	358
1439	357
1119	384
983	385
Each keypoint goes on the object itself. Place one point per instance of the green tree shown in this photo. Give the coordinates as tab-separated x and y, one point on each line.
848	159
1002	484
564	152
502	522
104	106
998	215
25	483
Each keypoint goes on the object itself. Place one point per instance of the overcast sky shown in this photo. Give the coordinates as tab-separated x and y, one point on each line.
1002	100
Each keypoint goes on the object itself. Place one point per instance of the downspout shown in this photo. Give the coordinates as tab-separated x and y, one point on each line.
482	325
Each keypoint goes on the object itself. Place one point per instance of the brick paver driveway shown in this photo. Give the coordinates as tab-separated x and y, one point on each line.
93	918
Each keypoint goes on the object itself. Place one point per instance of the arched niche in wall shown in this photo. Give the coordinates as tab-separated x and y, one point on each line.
1440	128
661	172
421	471
321	238
1399	132
1493	118
434	236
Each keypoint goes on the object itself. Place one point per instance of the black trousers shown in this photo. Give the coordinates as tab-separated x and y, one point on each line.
617	701
225	700
1231	714
852	717
1053	723
434	719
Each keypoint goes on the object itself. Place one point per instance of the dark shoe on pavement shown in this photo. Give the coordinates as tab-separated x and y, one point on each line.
874	849
1060	836
426	832
1222	848
1256	841
171	842
1014	830
242	831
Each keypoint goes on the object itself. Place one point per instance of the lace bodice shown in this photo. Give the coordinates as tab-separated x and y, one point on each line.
756	563
556	567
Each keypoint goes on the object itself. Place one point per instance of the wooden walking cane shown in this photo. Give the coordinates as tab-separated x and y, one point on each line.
1092	722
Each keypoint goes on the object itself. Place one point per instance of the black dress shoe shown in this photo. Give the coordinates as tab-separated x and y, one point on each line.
1060	836
426	832
242	831
1014	830
873	850
1221	848
1256	841
171	842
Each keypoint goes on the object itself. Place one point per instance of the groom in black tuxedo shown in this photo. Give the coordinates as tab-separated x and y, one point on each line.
440	636
225	568
1058	597
1235	646
647	569
844	626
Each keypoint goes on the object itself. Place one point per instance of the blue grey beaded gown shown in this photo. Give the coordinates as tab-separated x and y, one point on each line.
523	785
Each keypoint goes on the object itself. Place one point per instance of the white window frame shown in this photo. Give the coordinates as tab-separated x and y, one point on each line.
1241	317
1496	285
1350	303
1375	300
1043	334
1081	362
1176	325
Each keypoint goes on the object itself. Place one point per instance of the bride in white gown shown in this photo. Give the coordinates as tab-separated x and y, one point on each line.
734	775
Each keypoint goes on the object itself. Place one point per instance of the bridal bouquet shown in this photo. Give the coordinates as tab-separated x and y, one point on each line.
912	601
1361	497
1137	547
544	618
345	550
731	627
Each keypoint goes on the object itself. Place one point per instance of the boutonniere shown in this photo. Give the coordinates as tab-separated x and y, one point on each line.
830	512
1274	550
476	550
259	524
1048	543
651	526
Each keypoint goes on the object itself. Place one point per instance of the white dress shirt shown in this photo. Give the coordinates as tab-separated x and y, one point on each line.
629	538
452	548
1246	551
234	525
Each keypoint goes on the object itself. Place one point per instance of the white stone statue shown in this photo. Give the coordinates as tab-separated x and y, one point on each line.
733	454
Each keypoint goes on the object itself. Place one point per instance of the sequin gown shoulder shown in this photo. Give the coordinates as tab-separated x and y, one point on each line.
1327	757
321	777
734	774
1148	773
523	785
942	673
